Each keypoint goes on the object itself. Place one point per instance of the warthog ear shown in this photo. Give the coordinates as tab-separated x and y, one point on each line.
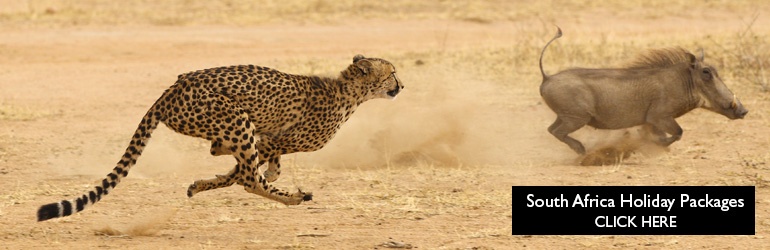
693	61
702	54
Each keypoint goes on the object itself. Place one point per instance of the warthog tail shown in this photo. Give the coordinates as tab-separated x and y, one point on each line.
558	34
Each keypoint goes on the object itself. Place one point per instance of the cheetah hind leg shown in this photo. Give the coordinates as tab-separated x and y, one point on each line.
225	180
219	181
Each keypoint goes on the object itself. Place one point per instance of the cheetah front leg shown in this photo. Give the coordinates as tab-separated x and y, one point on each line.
232	133
256	183
269	153
218	148
273	168
246	173
253	183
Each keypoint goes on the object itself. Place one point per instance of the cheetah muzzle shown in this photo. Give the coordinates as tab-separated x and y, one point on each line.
394	92
396	88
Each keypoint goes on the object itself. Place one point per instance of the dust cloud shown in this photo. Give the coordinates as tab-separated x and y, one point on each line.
146	224
614	147
442	118
449	118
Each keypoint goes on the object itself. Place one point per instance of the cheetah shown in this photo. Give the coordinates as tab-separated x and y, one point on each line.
255	114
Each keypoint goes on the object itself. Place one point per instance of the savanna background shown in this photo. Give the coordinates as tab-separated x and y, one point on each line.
429	170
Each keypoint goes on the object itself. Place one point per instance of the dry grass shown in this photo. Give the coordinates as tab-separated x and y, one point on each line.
18	113
244	12
749	54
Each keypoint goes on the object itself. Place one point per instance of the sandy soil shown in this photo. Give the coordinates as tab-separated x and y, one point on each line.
432	169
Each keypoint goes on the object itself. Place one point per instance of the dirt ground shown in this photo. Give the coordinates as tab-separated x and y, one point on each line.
431	169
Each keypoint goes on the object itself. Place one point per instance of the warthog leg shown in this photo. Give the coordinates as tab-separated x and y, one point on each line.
650	133
662	126
564	125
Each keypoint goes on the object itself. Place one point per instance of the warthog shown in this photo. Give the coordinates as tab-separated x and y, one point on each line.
653	90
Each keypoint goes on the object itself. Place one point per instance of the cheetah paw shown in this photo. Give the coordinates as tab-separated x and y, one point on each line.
191	190
300	196
307	196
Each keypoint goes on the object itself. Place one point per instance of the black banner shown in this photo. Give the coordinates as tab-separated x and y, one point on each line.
633	210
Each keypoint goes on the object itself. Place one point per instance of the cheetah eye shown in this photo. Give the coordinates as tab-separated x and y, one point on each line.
389	76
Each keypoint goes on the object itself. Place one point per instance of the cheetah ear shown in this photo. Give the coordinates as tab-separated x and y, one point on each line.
358	58
362	65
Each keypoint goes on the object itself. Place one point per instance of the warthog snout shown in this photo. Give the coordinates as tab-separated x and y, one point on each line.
653	91
732	109
739	111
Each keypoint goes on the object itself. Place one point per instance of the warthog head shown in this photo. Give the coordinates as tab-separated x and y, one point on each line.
714	94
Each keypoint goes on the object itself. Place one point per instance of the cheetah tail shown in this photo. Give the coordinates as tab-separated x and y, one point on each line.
134	150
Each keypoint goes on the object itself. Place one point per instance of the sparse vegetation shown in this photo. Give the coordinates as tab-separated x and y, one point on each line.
246	12
431	169
17	113
749	54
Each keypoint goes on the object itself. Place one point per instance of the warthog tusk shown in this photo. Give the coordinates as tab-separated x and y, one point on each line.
734	104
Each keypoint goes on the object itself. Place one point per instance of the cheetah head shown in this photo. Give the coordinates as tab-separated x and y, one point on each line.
379	77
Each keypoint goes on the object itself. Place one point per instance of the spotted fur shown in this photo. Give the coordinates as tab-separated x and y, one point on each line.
255	114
